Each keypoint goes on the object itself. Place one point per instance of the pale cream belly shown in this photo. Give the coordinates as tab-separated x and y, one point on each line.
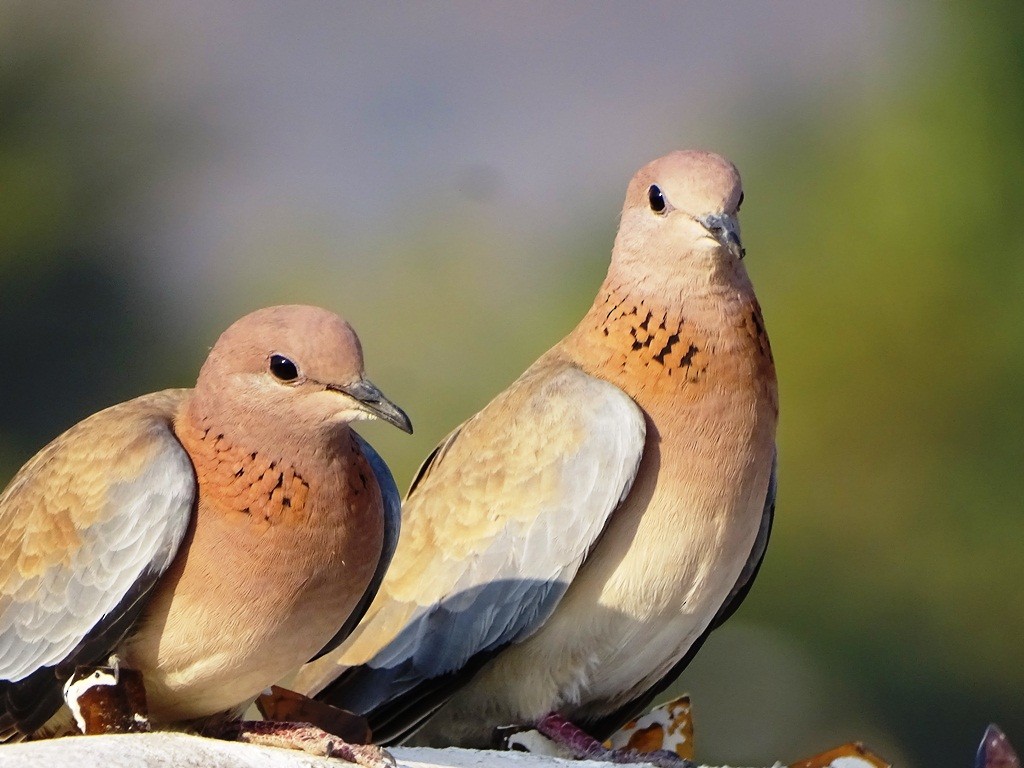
234	624
194	674
663	568
660	590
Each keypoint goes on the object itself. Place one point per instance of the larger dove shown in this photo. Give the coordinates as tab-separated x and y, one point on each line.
566	550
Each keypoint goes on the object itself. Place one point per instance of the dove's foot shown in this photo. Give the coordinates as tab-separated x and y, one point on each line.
110	699
585	747
286	706
307	738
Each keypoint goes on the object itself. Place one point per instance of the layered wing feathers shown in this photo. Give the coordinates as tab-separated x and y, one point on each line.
98	510
495	528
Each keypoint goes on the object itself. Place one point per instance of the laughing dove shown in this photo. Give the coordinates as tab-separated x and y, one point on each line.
212	539
568	548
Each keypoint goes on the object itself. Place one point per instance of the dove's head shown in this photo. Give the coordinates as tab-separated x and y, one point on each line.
680	218
297	366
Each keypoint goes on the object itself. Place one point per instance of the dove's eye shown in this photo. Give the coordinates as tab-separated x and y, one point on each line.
283	368
657	199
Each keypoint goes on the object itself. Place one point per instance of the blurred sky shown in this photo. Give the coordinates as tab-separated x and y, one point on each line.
357	120
448	176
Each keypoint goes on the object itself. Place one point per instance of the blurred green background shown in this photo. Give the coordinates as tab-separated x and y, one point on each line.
449	176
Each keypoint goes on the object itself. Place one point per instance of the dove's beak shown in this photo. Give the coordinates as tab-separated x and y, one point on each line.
372	401
726	230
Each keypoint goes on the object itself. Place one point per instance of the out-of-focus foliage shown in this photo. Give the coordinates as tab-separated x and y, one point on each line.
884	234
77	147
893	274
887	244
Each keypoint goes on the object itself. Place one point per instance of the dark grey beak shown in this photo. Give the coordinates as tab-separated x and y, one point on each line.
726	230
372	401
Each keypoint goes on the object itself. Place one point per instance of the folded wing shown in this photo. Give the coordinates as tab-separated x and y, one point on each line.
498	522
86	529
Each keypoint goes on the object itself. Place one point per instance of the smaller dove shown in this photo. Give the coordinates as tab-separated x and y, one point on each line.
211	539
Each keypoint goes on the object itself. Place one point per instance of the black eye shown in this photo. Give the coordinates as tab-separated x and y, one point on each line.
738	204
283	368
656	198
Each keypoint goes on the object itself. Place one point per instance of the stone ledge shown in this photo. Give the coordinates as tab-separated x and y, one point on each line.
177	750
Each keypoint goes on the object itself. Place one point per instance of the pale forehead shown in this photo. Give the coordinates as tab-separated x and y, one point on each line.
692	178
